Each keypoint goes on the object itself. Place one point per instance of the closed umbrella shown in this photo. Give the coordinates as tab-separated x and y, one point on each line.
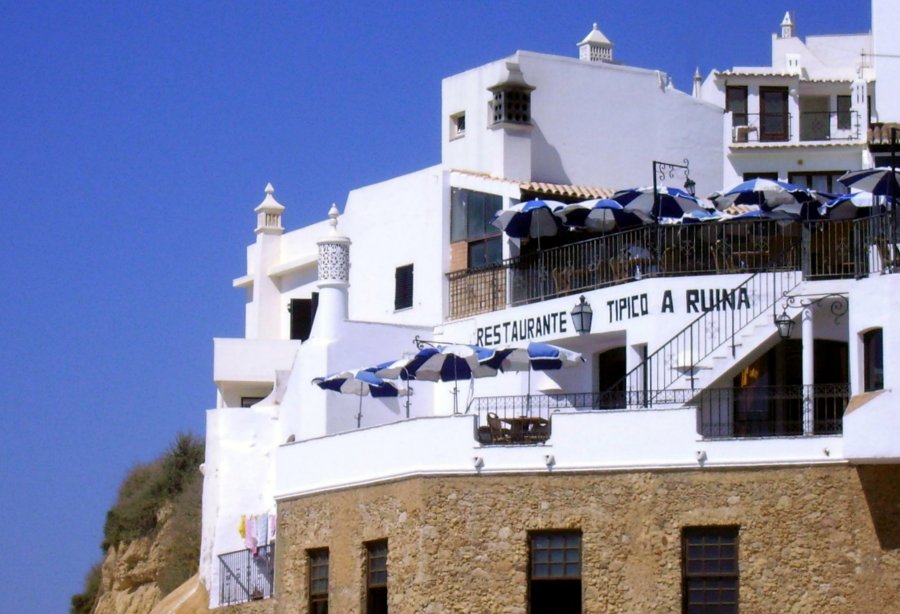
360	382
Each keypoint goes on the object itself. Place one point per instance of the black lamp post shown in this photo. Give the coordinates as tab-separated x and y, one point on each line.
582	316
663	170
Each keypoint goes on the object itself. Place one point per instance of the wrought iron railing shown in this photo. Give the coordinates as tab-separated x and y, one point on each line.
772	411
244	576
830	126
760	127
725	314
757	411
652	251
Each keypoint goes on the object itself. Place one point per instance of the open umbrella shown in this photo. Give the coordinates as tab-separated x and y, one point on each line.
530	219
360	382
442	363
600	214
848	206
673	202
881	181
767	193
535	357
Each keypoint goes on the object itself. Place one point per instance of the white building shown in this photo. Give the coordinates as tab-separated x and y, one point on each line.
816	110
684	367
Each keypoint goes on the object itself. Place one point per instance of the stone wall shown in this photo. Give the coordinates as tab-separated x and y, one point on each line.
812	539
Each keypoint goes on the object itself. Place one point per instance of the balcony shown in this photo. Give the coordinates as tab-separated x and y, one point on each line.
761	127
822	249
748	128
244	576
768	411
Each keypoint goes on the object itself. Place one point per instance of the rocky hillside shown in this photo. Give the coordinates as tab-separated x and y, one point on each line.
151	536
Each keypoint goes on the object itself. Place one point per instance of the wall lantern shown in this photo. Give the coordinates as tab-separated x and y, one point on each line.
582	315
690	186
785	325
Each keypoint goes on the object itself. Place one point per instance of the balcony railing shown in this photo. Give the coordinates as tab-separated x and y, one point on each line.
772	411
830	126
244	576
762	411
760	127
822	249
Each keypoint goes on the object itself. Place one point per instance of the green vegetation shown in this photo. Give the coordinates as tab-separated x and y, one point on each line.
172	480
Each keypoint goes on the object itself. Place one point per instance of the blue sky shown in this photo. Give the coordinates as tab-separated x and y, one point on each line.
137	139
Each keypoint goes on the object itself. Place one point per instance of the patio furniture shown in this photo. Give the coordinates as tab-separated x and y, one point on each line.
498	433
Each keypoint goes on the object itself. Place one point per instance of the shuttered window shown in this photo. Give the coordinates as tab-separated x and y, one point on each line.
403	287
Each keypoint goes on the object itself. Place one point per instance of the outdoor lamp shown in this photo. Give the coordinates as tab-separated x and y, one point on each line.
785	325
690	186
582	314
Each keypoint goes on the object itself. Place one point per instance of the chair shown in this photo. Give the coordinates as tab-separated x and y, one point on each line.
498	433
562	278
721	256
889	254
538	432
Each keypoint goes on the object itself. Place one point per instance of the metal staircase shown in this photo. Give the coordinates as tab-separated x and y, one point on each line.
733	321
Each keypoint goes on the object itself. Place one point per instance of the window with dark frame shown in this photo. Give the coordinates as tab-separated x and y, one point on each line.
873	360
403	287
709	570
554	572
736	103
376	577
318	580
471	214
844	120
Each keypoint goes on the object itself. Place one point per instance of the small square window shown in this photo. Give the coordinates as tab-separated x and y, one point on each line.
457	125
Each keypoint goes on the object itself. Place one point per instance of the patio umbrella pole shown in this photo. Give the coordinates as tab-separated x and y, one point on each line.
359	413
528	396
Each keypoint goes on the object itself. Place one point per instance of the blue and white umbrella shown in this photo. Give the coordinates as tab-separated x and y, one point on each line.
535	357
767	193
600	214
443	363
673	202
848	206
531	219
360	382
881	181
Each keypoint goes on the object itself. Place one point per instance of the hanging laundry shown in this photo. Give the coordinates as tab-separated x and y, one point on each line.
250	536
272	527
242	526
262	529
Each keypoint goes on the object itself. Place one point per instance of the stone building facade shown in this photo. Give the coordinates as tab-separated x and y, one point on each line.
811	539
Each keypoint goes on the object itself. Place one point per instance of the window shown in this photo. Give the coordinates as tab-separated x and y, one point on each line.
471	214
709	569
250	401
736	103
843	113
773	114
821	181
749	176
376	577
303	312
318	581
457	125
873	360
555	572
403	287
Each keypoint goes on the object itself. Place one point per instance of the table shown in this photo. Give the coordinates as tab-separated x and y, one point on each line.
520	426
